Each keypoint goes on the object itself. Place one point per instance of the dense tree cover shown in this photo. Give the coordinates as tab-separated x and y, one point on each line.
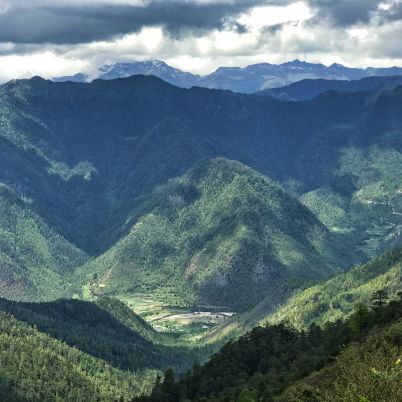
222	232
336	298
34	261
37	367
366	371
268	360
84	158
107	330
325	302
363	200
126	316
7	392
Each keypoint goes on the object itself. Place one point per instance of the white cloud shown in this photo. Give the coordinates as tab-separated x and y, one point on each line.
260	17
293	34
46	64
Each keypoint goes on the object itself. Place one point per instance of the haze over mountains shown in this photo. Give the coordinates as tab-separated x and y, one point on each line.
250	79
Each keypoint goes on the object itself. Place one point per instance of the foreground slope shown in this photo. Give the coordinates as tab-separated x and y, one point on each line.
37	367
223	235
263	364
336	298
107	330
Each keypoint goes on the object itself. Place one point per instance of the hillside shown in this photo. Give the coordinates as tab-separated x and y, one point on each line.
107	330
84	342
219	235
329	301
37	368
336	298
34	260
279	363
309	89
86	160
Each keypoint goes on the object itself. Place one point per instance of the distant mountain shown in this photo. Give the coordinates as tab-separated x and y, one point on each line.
309	89
250	79
157	68
73	78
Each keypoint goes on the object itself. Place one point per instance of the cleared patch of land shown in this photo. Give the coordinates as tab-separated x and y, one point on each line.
188	323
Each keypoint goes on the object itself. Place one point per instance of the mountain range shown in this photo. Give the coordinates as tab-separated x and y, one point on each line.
115	187
309	89
250	79
234	213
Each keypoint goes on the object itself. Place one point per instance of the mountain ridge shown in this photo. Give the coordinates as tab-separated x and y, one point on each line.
243	222
250	79
89	156
308	89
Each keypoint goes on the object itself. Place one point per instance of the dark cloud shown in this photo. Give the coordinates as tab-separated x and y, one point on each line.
345	12
394	13
273	29
83	24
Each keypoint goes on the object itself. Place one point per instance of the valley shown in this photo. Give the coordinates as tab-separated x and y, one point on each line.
186	323
200	201
145	227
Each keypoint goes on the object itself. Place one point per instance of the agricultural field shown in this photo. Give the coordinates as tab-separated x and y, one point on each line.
186	323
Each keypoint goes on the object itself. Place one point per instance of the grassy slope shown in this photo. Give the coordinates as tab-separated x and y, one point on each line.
220	235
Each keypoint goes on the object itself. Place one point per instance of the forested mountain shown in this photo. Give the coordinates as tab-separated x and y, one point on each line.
85	161
107	330
219	235
34	260
80	351
328	301
202	198
36	367
250	79
337	298
309	89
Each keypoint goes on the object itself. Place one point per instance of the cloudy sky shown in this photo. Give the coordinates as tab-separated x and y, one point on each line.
60	37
